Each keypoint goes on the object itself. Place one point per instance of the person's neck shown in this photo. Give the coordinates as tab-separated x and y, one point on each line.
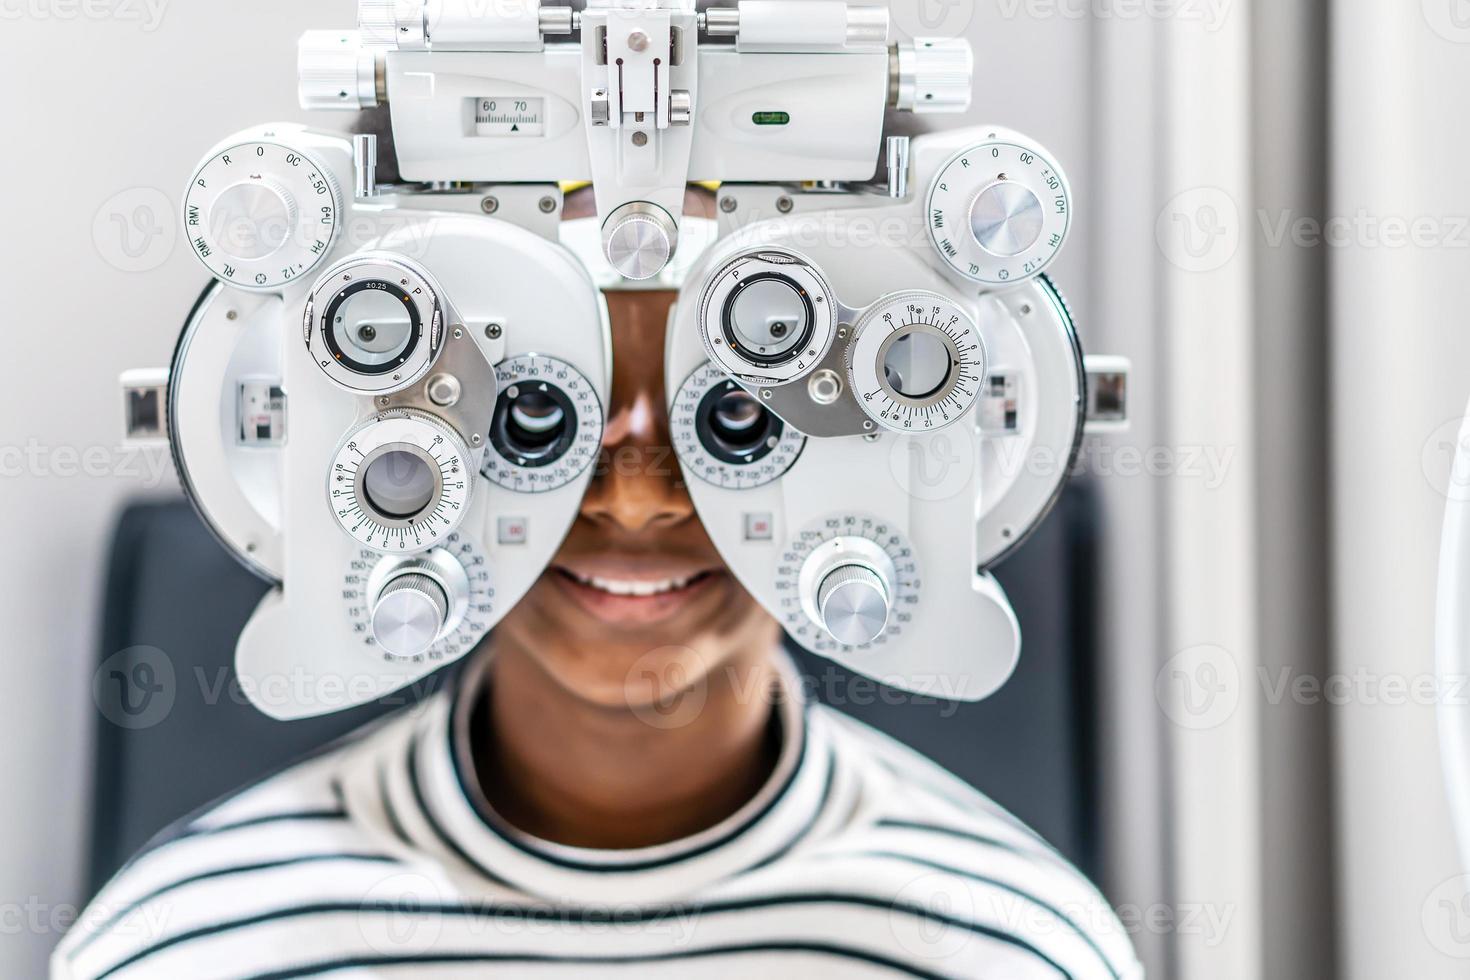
565	769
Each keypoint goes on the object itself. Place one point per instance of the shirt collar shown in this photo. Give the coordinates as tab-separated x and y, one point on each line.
775	820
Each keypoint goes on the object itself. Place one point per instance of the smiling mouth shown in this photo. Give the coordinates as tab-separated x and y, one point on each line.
635	588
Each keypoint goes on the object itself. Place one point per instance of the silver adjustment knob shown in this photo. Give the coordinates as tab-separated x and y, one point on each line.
931	74
854	604
335	71
409	615
638	239
255	218
1006	218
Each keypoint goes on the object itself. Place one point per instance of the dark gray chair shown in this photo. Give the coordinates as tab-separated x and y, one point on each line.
171	588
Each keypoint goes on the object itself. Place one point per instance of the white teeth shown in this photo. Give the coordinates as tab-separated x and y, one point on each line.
625	588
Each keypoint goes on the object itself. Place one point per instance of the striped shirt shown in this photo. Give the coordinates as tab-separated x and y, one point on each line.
380	858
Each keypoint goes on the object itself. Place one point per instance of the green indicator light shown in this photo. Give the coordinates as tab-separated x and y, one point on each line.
771	118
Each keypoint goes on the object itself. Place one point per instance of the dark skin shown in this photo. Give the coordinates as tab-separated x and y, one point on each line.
624	720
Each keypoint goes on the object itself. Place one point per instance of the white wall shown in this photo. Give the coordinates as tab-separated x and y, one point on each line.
1399	348
100	117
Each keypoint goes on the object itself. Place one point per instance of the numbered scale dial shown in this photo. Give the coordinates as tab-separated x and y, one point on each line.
847	582
724	436
261	214
401	482
999	212
547	426
454	593
917	362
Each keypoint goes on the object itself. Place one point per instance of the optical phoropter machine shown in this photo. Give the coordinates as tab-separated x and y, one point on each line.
389	401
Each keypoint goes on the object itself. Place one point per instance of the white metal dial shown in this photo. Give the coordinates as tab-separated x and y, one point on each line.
260	214
457	568
917	362
547	426
861	550
374	322
999	211
400	482
724	436
767	316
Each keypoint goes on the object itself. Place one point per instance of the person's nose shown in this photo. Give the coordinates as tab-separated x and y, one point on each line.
638	486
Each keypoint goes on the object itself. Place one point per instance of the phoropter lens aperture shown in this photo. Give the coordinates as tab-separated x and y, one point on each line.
917	365
734	427
768	319
534	425
372	327
398	485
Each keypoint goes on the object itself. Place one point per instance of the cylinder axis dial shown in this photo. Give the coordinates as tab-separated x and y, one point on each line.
999	211
917	362
433	606
547	426
848	581
400	482
726	437
260	214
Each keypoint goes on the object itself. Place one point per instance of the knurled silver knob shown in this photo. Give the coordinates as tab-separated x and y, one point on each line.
854	603
335	71
410	612
932	74
638	239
